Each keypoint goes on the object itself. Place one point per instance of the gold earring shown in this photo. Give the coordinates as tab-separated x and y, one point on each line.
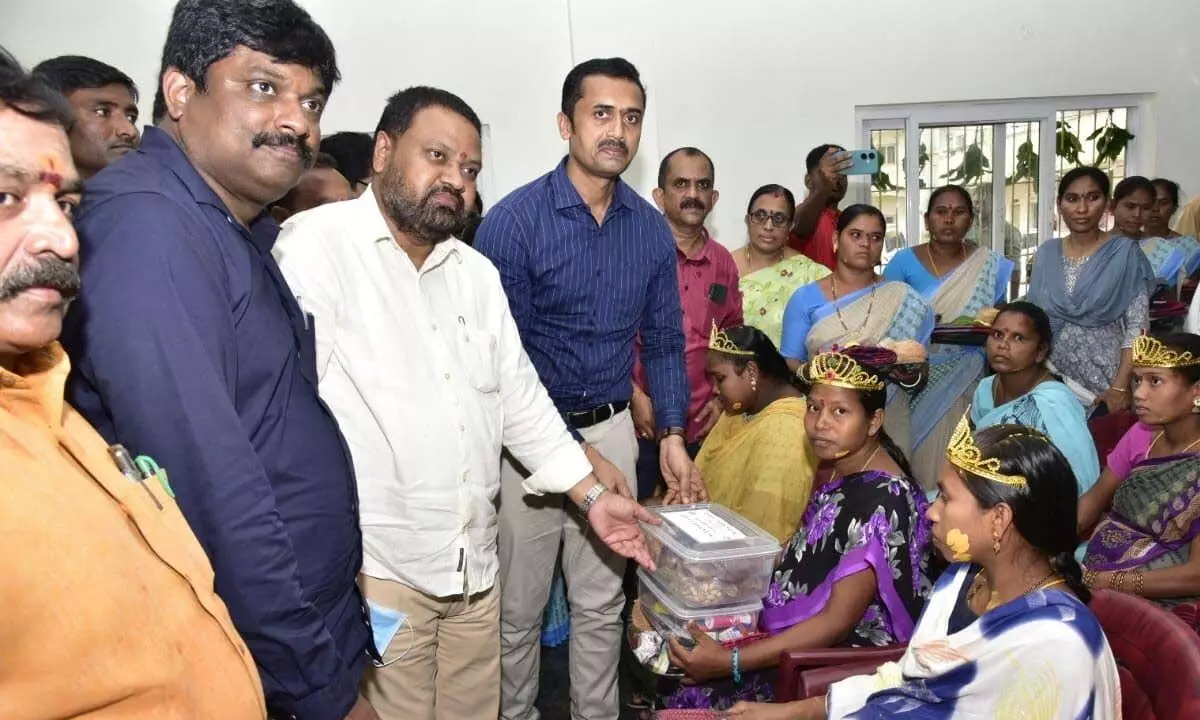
996	543
737	406
753	384
1196	405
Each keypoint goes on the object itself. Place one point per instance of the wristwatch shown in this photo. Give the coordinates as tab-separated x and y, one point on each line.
590	499
672	431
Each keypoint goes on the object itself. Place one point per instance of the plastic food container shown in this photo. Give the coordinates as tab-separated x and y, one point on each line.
707	555
669	617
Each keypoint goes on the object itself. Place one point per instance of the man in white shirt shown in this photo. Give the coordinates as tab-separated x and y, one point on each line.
420	360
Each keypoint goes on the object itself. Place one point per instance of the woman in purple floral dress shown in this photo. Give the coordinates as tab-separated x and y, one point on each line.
855	574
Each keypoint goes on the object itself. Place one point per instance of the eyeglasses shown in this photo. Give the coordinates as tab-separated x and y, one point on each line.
760	217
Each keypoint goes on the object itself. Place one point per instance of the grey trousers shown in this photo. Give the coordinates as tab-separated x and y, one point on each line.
531	529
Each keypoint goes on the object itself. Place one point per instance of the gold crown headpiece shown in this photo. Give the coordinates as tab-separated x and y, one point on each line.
719	341
1149	352
839	370
964	454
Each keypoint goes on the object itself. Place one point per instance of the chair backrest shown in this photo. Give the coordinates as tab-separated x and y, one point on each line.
1157	653
807	673
1107	431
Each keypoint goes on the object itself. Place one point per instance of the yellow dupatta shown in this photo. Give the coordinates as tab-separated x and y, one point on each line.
762	468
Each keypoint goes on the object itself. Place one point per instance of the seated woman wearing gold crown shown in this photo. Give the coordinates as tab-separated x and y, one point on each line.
855	573
1007	632
757	460
1147	501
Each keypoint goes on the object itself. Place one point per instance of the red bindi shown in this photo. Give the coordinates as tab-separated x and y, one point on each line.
49	177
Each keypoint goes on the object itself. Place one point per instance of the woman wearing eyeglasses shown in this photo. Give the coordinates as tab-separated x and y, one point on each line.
855	305
771	271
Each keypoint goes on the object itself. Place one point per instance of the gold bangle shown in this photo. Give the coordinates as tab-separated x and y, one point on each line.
1139	582
1117	580
1089	578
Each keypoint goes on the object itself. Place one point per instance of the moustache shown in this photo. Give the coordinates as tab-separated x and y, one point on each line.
614	143
691	204
459	201
52	273
299	142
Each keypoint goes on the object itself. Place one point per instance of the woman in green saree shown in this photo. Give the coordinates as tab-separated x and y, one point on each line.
1147	541
771	271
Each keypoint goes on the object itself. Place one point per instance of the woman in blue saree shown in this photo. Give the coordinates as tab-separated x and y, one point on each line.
1096	287
959	280
1132	206
855	306
1147	502
1158	224
1024	392
1007	632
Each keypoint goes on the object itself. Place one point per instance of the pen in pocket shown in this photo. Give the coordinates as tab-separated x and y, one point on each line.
129	469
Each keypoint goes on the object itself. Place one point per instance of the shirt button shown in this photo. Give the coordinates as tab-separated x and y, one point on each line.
462	428
447	376
434	326
464	478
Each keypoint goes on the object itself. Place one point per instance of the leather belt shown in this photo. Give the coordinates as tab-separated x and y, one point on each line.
595	416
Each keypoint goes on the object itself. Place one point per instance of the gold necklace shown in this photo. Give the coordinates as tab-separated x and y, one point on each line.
774	259
838	310
994	599
1159	437
864	465
996	388
962	249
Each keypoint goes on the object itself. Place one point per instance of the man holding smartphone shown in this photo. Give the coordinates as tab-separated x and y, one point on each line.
816	218
708	291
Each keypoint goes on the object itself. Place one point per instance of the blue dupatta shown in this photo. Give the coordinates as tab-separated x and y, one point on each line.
1108	282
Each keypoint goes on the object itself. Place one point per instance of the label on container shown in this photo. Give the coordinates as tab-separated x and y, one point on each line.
704	526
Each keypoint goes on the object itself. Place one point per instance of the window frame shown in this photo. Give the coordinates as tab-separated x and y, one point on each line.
912	117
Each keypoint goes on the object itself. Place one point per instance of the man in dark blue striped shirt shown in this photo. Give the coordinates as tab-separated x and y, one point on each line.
587	265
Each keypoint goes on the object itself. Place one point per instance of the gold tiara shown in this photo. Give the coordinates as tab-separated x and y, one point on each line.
1149	352
964	454
834	368
719	341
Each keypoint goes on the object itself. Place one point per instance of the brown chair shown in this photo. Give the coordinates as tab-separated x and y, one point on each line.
1158	657
809	673
1107	431
1157	654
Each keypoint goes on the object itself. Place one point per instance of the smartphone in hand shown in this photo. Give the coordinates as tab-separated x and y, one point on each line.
862	162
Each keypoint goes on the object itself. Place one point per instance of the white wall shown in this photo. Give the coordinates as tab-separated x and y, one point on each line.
755	83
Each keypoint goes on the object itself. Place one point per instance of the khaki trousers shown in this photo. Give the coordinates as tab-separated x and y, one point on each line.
531	530
443	663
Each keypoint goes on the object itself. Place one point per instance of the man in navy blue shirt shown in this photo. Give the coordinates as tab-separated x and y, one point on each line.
586	265
189	346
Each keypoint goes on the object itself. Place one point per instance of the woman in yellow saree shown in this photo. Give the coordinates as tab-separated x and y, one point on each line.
757	460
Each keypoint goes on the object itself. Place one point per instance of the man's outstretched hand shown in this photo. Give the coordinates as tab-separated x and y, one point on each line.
617	521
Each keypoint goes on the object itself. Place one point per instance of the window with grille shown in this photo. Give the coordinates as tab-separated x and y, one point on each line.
995	150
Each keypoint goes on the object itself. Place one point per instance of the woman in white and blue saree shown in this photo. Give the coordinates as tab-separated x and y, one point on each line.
1007	632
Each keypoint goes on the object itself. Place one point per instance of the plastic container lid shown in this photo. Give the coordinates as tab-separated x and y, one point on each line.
706	532
688	614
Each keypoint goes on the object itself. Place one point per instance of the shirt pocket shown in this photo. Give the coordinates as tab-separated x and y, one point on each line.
478	353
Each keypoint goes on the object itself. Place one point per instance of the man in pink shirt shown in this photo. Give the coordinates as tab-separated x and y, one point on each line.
708	289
